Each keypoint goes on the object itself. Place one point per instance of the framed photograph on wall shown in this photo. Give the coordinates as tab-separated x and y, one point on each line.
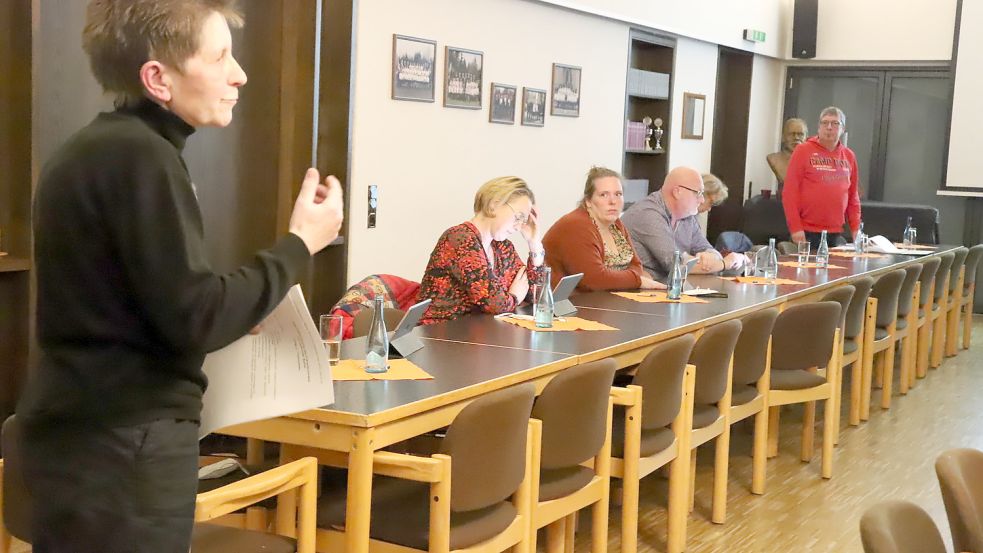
694	107
566	90
414	68
462	78
501	107
533	107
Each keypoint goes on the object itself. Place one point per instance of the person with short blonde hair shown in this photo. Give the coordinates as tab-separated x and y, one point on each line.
474	266
591	239
127	302
714	192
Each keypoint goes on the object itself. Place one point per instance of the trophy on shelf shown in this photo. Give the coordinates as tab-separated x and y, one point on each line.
657	133
647	121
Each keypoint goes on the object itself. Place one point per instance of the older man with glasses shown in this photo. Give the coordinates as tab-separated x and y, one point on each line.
821	184
666	221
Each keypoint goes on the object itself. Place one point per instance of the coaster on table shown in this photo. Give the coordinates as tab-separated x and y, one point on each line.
399	369
808	265
560	324
658	297
857	255
915	246
761	280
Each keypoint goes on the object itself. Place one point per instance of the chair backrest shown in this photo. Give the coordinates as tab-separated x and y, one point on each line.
487	445
899	527
912	272
751	351
958	259
858	307
886	290
930	267
945	262
960	473
842	295
363	320
803	336
660	375
16	499
573	408
972	262
711	355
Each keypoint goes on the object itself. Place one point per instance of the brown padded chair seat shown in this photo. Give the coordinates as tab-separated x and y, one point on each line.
797	379
850	346
705	415
653	440
561	482
404	518
743	394
212	538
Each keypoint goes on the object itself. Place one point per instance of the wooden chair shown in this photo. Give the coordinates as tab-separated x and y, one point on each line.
713	357
960	473
842	295
905	334
649	435
940	306
926	287
749	386
953	309
473	495
899	527
851	347
879	341
363	319
969	292
804	340
295	528
575	410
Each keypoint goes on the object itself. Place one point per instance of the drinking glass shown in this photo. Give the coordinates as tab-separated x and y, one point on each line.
331	328
803	251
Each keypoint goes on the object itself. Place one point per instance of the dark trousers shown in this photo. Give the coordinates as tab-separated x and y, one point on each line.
832	239
128	489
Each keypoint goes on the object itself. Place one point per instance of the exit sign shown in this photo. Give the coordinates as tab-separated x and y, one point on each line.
754	36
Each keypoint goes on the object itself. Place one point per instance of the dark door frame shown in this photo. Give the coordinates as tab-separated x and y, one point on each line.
728	159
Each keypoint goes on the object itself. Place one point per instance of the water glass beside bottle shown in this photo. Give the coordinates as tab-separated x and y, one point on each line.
802	249
331	328
822	252
910	237
543	308
377	344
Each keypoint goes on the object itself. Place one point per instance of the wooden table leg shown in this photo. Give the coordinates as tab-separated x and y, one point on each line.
359	502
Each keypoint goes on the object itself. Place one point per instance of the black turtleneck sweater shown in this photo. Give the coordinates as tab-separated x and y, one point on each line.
127	305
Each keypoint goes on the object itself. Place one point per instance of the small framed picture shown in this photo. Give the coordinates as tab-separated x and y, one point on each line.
566	90
414	68
533	107
694	106
502	108
462	78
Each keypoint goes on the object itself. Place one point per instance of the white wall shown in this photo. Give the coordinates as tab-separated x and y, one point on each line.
884	30
696	72
764	121
428	160
715	21
967	118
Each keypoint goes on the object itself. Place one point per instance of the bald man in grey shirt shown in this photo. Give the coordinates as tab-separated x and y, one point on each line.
665	221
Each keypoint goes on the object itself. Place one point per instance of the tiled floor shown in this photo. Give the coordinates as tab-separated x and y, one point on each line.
890	457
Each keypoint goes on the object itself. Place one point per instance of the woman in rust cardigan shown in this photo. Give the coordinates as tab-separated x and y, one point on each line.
592	240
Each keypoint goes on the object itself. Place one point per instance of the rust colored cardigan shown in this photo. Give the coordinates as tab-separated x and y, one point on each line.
574	245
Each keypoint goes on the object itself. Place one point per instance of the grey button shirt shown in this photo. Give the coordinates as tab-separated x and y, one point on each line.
649	223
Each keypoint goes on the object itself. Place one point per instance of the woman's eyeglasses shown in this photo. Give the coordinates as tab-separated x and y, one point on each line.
520	218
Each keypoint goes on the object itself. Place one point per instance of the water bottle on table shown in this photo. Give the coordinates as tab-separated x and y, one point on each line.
543	309
910	237
822	252
676	277
377	346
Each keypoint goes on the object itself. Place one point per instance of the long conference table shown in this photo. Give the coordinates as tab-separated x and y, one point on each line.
477	354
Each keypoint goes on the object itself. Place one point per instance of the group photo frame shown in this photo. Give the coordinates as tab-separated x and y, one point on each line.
533	107
566	90
501	104
414	68
463	71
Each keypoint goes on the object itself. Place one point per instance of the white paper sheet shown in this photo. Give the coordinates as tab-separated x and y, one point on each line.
881	244
282	370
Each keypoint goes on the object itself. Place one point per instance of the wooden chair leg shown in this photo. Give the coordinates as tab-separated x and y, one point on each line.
866	382
887	376
759	452
570	532
968	325
679	476
856	389
827	459
808	430
692	480
905	347
774	416
720	468
938	340
924	345
555	533
951	327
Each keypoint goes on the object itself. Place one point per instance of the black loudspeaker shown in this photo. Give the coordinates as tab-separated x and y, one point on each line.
804	28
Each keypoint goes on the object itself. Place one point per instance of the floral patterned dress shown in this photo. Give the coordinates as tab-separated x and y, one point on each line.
459	279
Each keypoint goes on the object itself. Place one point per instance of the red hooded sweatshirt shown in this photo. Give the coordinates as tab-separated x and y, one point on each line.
820	188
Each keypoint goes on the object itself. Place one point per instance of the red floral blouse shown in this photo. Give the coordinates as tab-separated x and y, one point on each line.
459	280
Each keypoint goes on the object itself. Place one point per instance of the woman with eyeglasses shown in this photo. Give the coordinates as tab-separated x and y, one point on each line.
592	240
474	266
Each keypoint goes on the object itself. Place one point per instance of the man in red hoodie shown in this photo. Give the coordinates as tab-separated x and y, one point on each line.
821	184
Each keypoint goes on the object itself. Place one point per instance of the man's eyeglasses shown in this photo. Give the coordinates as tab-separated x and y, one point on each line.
834	124
520	218
699	193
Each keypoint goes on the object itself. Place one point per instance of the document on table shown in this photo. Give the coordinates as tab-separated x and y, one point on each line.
282	370
881	244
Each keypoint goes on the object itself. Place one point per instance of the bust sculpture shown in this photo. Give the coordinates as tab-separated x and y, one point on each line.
794	132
